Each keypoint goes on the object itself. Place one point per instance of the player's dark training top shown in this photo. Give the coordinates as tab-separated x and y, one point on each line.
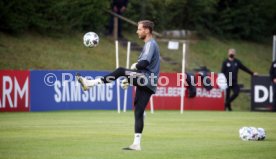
233	67
272	74
272	71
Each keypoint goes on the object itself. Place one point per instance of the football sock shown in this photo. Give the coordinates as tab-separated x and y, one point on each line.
137	138
91	83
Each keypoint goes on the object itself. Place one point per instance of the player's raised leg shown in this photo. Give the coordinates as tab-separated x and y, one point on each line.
119	72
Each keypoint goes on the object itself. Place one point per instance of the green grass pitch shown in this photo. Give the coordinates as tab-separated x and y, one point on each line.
102	134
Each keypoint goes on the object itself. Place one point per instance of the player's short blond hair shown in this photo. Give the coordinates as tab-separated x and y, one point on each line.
232	49
147	24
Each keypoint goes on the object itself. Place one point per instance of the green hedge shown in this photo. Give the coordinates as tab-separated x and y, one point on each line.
246	19
45	15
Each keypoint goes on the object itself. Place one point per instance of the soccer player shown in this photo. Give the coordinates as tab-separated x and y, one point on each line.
230	68
143	74
272	74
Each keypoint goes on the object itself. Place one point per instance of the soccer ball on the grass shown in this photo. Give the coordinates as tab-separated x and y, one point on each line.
245	133
252	133
91	39
261	133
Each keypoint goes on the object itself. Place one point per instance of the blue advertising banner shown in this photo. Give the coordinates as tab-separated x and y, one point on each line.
59	90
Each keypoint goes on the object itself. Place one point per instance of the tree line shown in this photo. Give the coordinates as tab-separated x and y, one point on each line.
245	19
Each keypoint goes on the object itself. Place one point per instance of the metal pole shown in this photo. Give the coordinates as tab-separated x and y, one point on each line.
183	79
118	82
131	22
127	66
151	105
274	48
115	28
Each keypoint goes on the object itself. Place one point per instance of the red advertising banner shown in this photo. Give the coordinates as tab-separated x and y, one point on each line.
15	93
15	90
168	94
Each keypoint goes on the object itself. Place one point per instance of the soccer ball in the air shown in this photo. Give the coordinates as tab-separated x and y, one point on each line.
91	39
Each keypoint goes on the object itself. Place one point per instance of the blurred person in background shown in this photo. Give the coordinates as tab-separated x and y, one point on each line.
272	74
119	7
230	68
